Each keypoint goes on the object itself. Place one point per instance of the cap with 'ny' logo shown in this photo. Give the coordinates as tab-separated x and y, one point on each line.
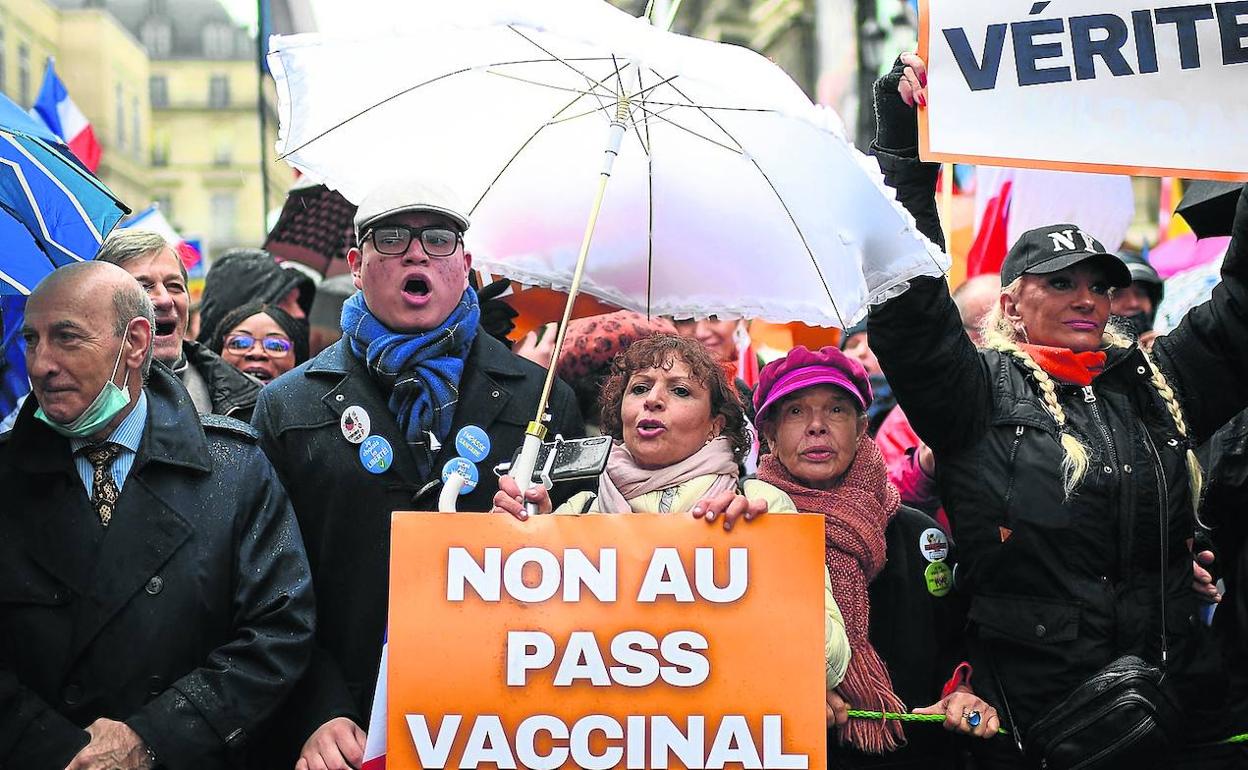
1056	247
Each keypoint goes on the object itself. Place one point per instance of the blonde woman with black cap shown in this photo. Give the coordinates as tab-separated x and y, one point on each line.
1064	459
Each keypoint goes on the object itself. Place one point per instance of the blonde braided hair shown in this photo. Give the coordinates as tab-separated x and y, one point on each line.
1196	477
1000	335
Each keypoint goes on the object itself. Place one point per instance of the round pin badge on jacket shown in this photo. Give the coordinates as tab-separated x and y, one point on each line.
464	468
473	443
939	578
355	424
376	454
934	544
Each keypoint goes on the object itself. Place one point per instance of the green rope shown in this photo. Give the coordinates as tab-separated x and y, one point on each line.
933	718
859	714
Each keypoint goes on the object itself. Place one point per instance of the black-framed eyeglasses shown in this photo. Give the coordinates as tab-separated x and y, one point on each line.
274	347
394	240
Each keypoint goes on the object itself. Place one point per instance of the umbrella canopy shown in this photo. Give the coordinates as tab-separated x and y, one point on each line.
731	193
1209	207
313	229
52	211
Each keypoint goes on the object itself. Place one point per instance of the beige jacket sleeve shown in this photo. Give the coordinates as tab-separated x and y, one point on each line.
835	643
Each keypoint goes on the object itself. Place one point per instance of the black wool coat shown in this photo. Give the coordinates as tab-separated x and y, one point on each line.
344	511
189	618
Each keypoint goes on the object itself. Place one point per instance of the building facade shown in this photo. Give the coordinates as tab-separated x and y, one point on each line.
172	89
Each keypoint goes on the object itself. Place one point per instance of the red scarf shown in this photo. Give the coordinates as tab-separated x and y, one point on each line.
1066	365
856	514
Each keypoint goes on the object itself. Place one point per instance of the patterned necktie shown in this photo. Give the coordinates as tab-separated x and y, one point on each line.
104	490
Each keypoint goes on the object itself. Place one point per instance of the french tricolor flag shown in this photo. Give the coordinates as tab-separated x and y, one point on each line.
54	107
152	218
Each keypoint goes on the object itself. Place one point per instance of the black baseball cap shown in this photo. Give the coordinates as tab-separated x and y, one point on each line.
1057	247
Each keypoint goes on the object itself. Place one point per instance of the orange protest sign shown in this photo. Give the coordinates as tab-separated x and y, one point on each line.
599	641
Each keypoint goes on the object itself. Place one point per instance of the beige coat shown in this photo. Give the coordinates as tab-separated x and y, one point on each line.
835	643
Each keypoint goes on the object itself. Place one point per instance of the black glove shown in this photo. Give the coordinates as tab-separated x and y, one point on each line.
496	314
896	123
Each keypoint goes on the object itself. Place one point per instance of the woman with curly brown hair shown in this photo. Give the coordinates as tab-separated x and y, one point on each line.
679	430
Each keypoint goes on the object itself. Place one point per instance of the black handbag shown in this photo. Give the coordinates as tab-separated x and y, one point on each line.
1120	717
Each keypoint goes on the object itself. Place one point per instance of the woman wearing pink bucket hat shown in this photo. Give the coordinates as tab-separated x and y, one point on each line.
811	408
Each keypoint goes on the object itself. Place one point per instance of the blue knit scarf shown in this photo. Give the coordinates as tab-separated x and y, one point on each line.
422	370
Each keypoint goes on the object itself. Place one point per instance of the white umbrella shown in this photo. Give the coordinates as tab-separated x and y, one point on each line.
745	205
732	194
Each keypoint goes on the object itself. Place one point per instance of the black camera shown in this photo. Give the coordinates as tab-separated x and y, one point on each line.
566	460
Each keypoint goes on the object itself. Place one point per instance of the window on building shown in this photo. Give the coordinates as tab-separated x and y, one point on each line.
157	37
4	75
23	75
222	152
161	141
219	91
224	206
218	41
135	134
158	88
120	101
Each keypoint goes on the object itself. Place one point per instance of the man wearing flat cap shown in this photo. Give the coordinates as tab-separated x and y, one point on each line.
366	427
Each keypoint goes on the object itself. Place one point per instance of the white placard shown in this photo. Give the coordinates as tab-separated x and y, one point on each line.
1116	86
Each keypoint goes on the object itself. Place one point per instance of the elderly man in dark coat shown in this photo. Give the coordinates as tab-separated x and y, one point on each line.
155	598
366	427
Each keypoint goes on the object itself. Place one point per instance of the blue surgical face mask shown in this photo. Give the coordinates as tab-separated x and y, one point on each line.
107	405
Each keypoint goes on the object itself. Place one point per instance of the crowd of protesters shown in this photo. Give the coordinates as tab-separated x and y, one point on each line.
1023	487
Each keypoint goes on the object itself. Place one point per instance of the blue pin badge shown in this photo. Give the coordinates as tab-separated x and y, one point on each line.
472	443
466	469
376	454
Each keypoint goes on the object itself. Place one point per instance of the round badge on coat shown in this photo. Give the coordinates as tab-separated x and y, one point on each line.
934	544
355	424
939	578
376	454
473	443
465	469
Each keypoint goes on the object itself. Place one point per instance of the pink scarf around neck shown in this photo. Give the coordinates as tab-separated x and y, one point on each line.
624	480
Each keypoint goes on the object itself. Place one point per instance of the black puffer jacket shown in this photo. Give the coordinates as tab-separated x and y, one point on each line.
1059	587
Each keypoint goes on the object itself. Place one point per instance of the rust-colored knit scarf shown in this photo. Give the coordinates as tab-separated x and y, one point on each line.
1067	365
856	514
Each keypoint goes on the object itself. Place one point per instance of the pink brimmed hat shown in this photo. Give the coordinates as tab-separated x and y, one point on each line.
803	368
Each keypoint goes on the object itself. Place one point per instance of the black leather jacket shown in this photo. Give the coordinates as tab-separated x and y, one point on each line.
233	393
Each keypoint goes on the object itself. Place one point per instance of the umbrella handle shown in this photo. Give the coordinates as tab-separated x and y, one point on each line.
450	492
522	470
